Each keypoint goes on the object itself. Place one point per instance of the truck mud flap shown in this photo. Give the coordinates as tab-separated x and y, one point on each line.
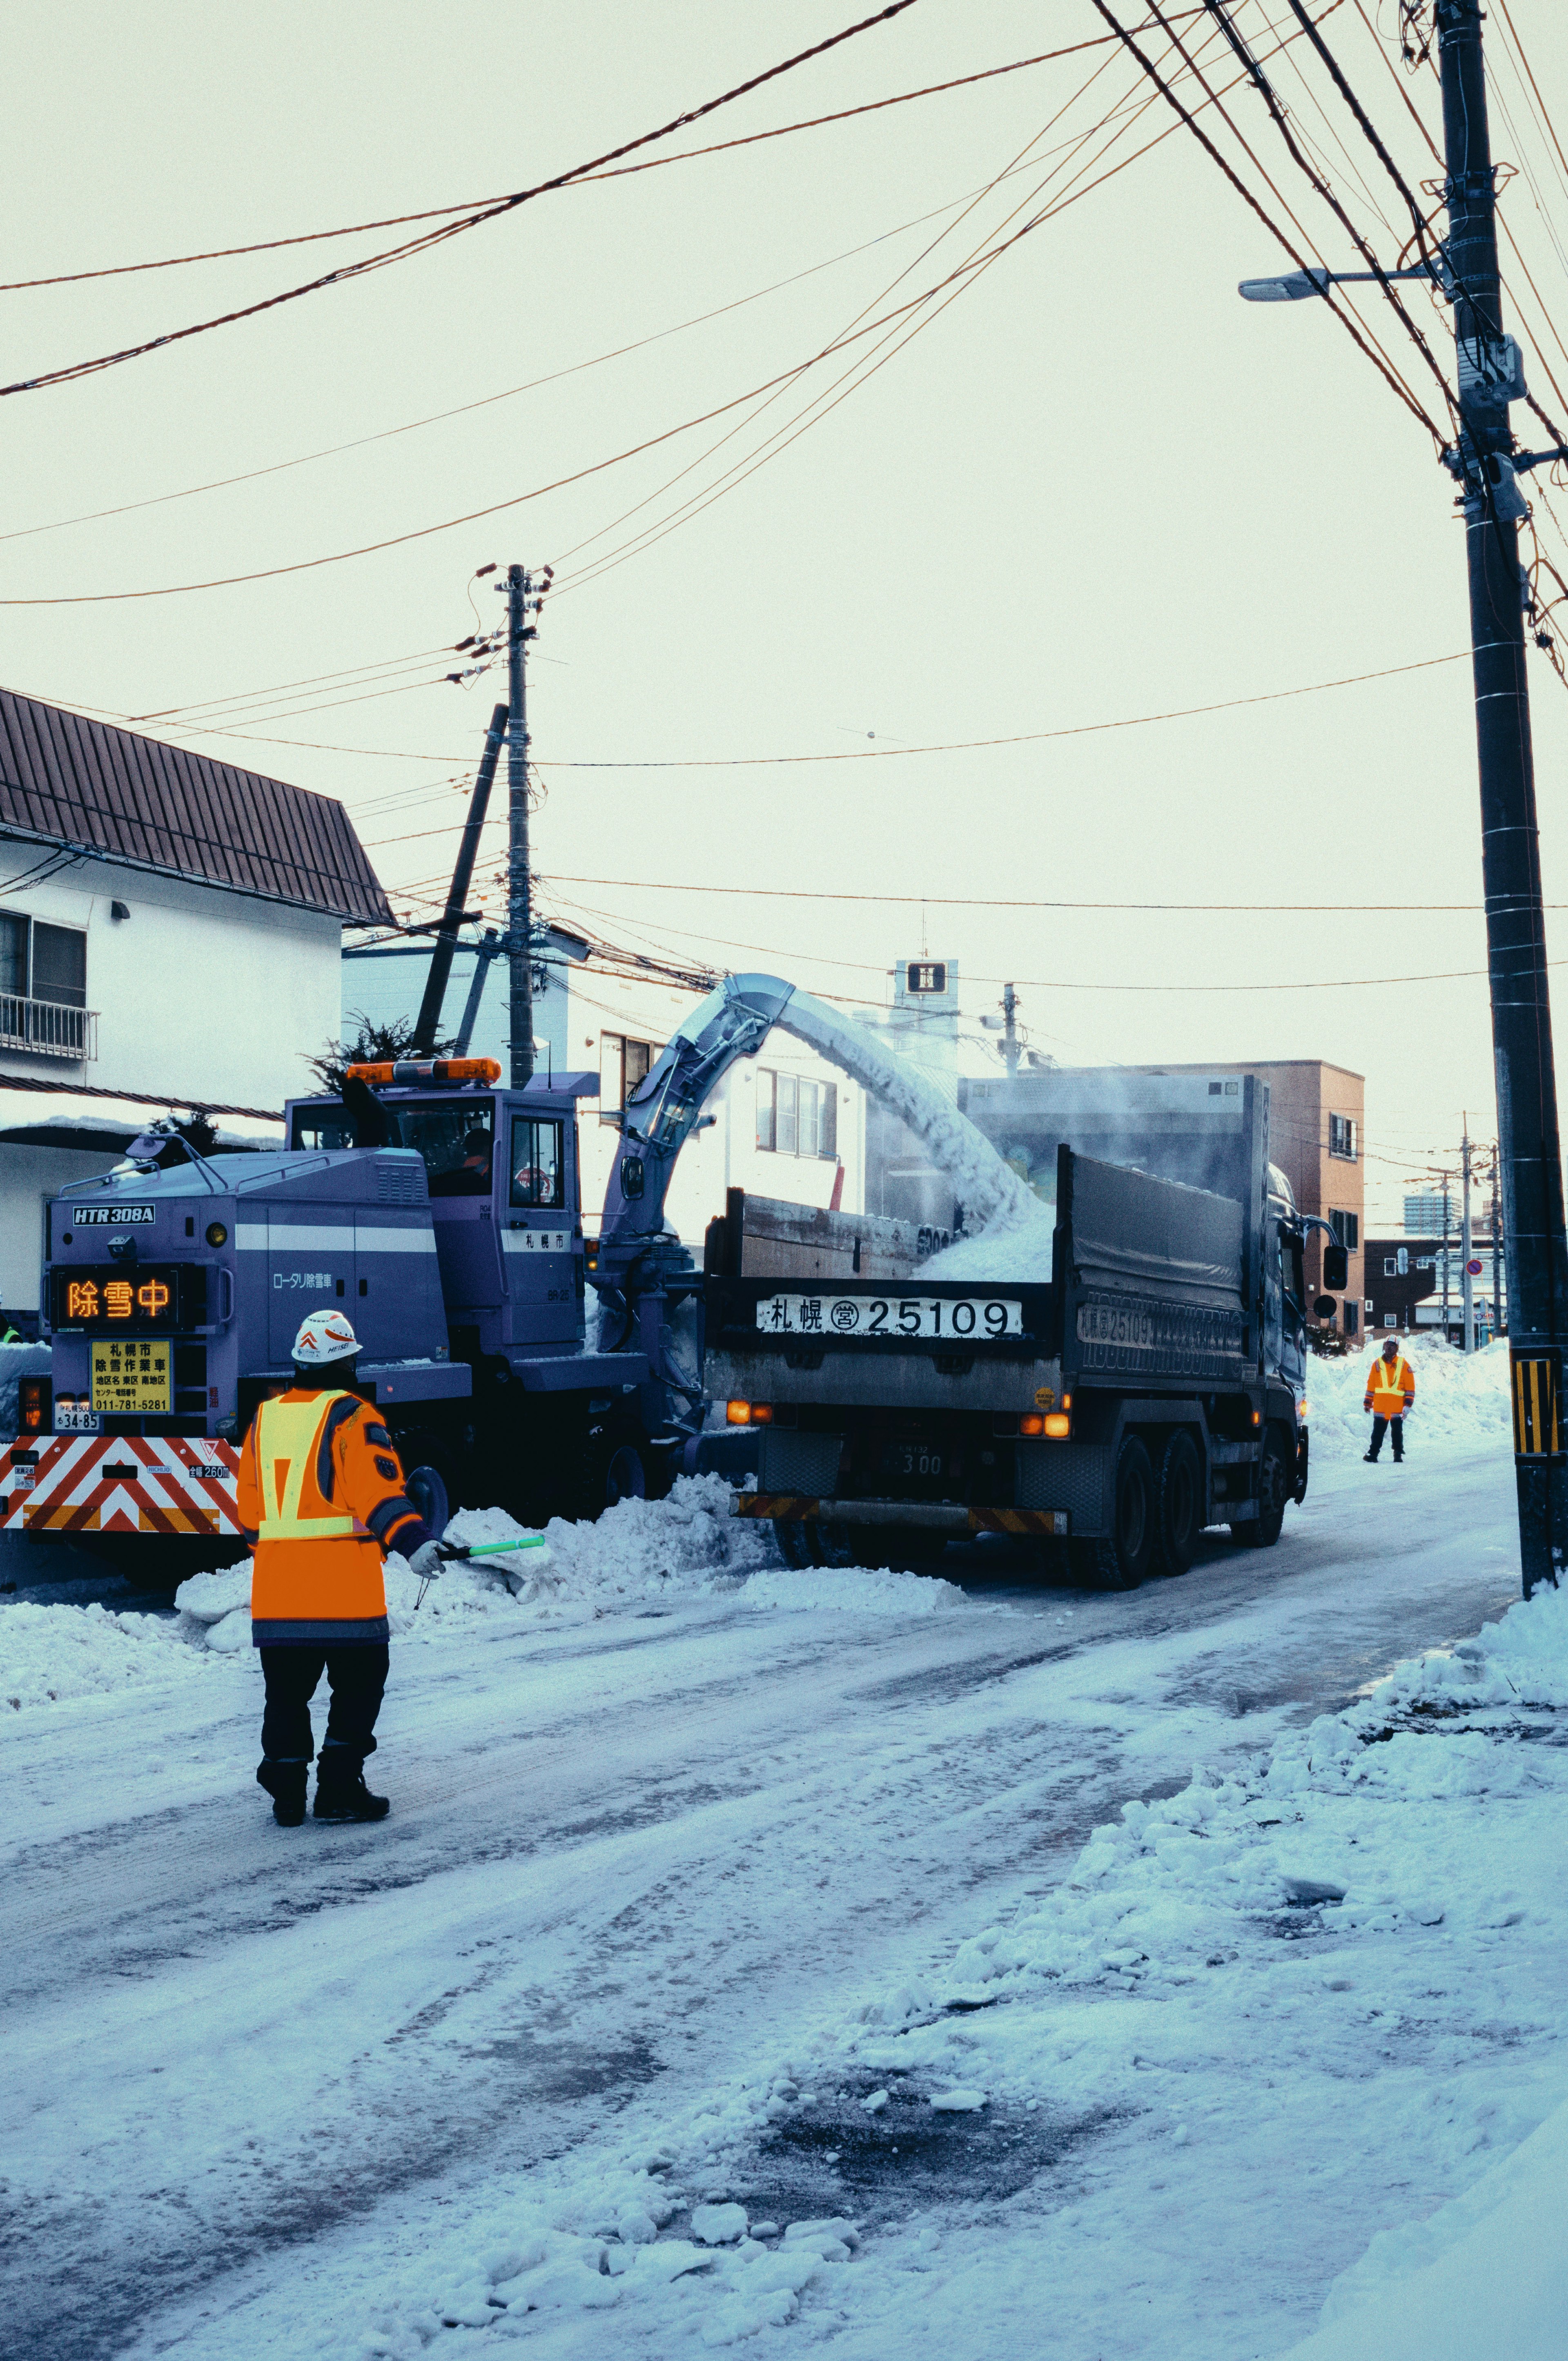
922	1516
119	1484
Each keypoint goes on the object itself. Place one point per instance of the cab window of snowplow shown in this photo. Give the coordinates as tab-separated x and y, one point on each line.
316	1128
536	1171
457	1143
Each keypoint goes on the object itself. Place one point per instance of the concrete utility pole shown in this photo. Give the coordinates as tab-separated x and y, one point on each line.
521	602
1466	1290
1489	376
1010	1030
428	1023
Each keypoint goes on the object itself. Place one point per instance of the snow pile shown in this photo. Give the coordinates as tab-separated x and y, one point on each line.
1461	1399
614	2242
49	1653
1485	2274
856	1590
1020	1252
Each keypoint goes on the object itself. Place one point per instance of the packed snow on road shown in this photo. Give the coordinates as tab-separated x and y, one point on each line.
929	1964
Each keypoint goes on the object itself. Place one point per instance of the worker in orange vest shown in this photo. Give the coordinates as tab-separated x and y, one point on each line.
1390	1397
322	1500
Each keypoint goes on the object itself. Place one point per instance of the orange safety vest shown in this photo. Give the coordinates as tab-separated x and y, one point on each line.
321	1496
1392	1390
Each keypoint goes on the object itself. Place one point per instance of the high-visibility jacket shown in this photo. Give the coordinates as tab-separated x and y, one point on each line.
1391	1386
321	1497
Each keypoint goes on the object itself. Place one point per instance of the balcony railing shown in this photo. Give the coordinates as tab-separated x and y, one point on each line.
48	1028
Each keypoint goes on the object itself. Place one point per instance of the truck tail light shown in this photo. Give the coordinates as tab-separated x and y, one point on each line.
743	1413
35	1402
1059	1425
1031	1423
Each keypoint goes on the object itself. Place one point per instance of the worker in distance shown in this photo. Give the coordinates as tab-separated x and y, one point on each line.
1390	1397
322	1499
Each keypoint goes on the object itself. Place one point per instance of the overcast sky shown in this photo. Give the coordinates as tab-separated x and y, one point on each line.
1095	486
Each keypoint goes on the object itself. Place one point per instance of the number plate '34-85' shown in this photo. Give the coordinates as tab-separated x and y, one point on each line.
957	1316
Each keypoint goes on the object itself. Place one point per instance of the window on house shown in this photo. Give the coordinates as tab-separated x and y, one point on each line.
1390	1320
797	1116
38	961
1346	1228
1352	1317
1341	1136
623	1064
14	956
60	966
1391	1268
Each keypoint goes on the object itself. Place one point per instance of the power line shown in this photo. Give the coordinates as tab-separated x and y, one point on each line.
476	205
76	371
498	508
1001	902
1383	368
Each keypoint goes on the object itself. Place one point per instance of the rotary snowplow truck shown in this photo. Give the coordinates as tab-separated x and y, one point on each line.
442	1213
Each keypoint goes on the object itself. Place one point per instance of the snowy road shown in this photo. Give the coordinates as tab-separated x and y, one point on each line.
621	1852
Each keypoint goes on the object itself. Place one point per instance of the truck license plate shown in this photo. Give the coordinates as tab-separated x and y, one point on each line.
131	1375
959	1317
69	1421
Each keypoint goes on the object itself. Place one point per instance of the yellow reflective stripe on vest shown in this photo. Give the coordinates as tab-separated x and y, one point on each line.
288	1435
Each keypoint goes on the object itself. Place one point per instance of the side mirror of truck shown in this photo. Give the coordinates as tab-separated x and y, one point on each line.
1324	1308
1336	1266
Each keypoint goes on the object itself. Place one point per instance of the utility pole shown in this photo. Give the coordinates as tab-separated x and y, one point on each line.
1010	1030
428	1023
1489	376
524	598
1467	1292
1446	1225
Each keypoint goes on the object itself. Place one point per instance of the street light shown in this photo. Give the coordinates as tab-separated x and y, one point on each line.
1292	285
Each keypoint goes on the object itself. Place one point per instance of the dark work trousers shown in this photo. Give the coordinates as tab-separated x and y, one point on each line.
1396	1427
358	1675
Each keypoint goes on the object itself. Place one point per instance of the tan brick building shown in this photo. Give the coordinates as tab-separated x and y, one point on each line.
1316	1115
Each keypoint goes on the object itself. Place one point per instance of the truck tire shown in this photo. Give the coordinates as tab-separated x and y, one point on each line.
1120	1560
1275	1483
793	1537
1178	1504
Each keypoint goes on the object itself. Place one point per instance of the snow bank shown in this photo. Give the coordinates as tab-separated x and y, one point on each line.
857	1590
1461	1399
49	1653
1485	2274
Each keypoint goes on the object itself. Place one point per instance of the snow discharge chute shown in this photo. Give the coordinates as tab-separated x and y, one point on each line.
733	1022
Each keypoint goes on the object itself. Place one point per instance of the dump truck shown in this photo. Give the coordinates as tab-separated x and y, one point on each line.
1138	1381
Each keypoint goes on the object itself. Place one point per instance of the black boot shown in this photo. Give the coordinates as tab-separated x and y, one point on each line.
341	1792
285	1782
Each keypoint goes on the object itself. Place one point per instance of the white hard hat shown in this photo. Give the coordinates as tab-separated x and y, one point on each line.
324	1336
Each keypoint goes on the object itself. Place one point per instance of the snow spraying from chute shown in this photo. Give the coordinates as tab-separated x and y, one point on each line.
1015	1240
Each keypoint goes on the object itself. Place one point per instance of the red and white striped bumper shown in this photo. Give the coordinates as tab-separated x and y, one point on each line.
118	1484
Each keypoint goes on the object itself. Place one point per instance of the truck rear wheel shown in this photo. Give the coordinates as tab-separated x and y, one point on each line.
1120	1560
794	1546
1179	1513
1275	1482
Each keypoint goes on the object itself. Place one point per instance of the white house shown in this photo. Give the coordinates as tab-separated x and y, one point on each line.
170	937
785	1123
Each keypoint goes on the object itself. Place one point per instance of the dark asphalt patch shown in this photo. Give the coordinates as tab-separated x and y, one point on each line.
833	2159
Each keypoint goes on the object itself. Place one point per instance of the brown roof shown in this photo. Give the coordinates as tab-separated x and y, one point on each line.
66	780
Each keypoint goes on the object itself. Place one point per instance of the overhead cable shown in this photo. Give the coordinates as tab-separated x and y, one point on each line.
1343	317
76	370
